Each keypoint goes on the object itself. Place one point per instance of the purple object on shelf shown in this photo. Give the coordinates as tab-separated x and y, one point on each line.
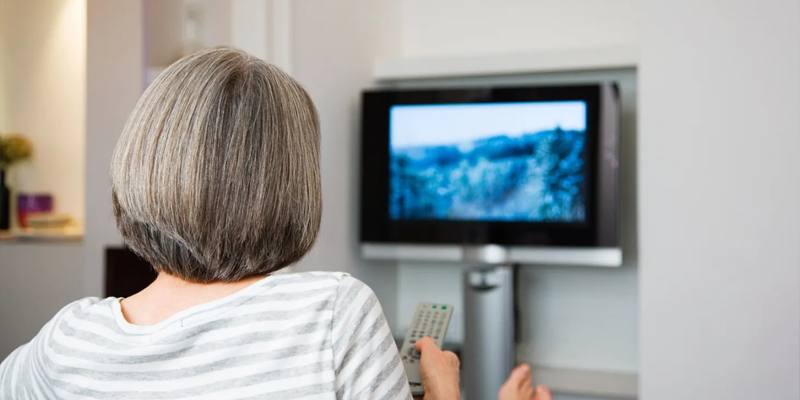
29	203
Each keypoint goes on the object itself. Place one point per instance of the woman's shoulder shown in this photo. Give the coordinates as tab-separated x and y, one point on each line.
80	308
77	316
343	286
310	275
333	278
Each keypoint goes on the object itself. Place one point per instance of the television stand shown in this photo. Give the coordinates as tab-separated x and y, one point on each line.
489	337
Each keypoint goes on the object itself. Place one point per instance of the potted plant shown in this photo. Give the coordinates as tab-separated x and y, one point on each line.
13	148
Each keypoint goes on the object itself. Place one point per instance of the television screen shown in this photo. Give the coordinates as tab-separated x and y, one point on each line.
512	166
500	161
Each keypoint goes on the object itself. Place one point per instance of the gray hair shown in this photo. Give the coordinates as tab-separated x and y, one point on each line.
216	174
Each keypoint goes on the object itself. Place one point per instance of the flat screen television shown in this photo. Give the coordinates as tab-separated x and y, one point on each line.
523	174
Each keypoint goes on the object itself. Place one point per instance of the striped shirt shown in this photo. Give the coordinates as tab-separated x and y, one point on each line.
312	335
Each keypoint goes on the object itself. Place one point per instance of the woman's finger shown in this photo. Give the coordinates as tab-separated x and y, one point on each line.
520	373
527	381
543	393
452	358
425	344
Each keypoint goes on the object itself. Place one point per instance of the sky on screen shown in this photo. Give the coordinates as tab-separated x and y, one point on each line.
436	124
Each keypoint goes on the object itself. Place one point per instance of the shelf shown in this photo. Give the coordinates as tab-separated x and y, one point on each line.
507	64
606	384
42	235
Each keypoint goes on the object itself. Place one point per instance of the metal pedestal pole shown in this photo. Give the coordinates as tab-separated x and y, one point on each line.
488	354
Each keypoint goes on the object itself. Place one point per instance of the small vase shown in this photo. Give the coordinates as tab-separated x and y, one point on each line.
5	203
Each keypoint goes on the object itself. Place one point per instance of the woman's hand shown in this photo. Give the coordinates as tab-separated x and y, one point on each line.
439	371
519	386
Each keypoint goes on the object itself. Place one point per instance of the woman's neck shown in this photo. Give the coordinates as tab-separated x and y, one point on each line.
169	294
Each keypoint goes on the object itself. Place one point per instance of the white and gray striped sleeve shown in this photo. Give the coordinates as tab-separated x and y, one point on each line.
22	369
10	369
366	362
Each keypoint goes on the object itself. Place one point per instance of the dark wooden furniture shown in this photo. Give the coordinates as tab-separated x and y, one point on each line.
126	273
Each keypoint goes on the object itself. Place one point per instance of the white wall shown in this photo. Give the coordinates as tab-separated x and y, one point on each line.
470	27
719	194
216	20
3	95
163	31
36	280
115	66
249	26
174	28
42	87
333	45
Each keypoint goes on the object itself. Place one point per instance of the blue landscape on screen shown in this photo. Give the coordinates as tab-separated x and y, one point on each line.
509	162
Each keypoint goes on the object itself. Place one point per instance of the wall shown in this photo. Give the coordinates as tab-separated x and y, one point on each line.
3	95
42	85
163	31
719	194
250	26
333	45
474	27
215	18
36	280
115	65
174	28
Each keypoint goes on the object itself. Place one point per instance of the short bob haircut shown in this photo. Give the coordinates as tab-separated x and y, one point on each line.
216	174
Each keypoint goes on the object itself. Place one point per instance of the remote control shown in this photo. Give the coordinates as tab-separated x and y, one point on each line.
429	320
